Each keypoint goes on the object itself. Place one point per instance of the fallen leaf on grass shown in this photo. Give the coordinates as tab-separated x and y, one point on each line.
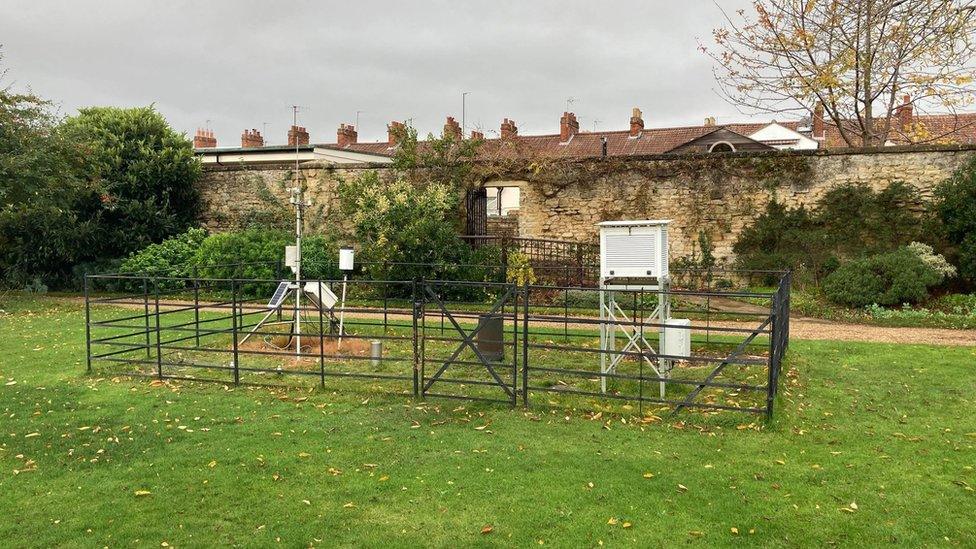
212	464
486	529
734	530
682	488
648	475
142	493
349	505
613	521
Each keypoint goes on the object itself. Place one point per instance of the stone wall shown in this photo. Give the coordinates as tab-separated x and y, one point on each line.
718	194
707	194
238	196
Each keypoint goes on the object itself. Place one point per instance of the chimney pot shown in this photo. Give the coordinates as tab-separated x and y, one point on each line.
297	135
251	138
394	132
818	129
904	113
452	128
475	134
509	130
204	139
636	122
346	135
568	127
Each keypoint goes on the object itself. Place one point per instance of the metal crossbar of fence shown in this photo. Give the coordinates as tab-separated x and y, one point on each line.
490	341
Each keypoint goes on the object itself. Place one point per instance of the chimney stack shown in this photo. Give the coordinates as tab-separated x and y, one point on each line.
204	139
251	138
904	113
509	129
568	127
818	131
346	135
710	121
452	128
476	135
394	132
636	123
297	135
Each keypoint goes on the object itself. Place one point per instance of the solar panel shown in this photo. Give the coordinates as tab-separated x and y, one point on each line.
279	296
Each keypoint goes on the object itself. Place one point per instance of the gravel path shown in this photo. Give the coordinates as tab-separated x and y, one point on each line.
817	329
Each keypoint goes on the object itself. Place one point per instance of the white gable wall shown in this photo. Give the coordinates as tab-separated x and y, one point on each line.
774	132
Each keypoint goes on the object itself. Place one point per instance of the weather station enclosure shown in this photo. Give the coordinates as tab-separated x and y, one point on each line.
643	333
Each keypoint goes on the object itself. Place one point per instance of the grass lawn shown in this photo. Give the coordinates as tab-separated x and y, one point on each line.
872	444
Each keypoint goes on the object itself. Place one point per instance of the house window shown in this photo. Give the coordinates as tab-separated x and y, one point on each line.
502	200
722	146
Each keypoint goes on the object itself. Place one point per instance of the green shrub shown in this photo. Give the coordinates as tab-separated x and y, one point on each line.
848	222
173	257
783	238
956	205
251	253
891	278
960	304
320	258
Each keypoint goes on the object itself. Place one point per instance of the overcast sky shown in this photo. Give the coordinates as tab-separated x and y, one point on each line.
236	65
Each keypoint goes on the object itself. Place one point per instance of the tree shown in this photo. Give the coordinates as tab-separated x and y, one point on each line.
40	233
855	58
409	214
142	176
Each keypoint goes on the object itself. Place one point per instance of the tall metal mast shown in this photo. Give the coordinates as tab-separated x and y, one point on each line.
297	200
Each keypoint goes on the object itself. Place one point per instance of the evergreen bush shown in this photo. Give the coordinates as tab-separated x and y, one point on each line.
891	278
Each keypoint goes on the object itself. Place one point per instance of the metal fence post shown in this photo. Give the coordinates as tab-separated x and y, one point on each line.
322	341
525	345
87	326
417	310
196	303
771	373
159	346
278	271
233	324
145	310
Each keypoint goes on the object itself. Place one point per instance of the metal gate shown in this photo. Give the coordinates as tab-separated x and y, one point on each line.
469	350
476	211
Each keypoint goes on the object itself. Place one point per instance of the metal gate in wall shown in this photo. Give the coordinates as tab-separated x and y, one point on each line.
476	212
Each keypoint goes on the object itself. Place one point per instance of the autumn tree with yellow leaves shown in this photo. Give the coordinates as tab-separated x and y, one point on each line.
856	58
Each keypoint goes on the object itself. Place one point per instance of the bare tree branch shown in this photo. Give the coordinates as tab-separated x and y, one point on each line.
856	58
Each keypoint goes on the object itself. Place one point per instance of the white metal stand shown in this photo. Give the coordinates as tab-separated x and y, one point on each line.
613	318
342	310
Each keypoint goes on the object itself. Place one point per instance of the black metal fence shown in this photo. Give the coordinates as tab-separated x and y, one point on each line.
558	262
496	342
